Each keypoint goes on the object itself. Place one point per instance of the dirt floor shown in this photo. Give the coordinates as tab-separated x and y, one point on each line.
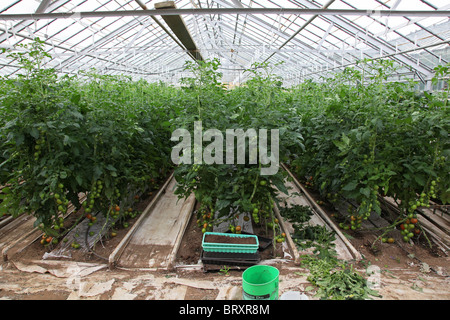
76	281
404	272
417	255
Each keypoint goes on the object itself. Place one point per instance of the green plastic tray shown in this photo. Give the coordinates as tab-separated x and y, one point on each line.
230	247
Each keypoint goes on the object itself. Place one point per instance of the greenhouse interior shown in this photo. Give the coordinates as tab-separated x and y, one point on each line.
225	150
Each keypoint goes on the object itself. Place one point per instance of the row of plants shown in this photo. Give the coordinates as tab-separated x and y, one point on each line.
108	138
227	190
62	137
366	138
354	136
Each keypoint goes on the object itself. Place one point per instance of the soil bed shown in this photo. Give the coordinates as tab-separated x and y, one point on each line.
103	248
214	238
410	256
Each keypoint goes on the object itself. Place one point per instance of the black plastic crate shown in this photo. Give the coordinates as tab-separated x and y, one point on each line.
230	259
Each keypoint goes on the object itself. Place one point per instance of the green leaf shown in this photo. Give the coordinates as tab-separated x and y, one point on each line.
365	191
341	145
420	179
20	138
111	167
79	180
222	203
76	98
279	184
350	186
34	132
345	139
66	140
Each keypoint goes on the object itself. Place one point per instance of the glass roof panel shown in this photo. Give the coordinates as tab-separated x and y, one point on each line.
308	44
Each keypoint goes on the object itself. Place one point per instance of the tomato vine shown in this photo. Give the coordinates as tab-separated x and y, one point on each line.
355	136
62	137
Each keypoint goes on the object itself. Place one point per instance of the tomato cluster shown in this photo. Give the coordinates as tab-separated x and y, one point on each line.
235	229
75	245
205	219
280	238
47	240
410	228
92	219
40	143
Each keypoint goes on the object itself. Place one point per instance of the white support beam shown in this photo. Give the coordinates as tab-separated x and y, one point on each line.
26	23
138	34
330	2
373	41
427	76
396	4
43	6
237	3
227	11
124	28
325	36
282	34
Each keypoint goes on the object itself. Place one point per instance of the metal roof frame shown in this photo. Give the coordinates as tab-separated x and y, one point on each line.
212	11
311	36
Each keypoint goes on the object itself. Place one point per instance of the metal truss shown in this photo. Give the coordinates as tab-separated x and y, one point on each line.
311	37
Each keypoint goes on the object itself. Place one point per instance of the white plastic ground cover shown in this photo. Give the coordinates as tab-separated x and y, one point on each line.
86	236
155	238
295	197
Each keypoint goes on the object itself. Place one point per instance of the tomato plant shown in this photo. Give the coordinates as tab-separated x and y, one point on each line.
226	189
61	137
354	136
366	138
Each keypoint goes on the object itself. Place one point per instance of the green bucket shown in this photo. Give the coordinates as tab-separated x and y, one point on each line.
260	283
